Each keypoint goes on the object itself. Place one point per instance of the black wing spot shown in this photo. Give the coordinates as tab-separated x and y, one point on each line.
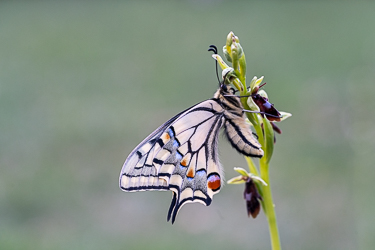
157	161
160	142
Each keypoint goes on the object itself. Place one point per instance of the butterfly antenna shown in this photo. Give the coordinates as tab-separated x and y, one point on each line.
213	48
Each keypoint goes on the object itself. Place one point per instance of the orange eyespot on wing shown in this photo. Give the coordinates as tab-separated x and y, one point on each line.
213	181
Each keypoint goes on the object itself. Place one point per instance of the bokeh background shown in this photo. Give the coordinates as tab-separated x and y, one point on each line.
82	83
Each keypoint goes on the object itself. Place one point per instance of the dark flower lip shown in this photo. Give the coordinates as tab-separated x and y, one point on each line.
252	197
276	128
266	108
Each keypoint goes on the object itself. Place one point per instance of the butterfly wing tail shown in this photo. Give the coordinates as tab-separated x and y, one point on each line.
176	204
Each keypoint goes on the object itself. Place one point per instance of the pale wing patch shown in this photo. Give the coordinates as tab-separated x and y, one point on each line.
185	135
176	157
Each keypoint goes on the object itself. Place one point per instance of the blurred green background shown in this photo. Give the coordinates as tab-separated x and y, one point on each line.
82	83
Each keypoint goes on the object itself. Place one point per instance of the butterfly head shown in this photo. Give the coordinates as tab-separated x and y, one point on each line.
226	89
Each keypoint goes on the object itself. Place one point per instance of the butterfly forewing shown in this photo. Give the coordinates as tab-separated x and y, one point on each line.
181	155
138	172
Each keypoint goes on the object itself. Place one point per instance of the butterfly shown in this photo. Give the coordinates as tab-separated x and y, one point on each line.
182	154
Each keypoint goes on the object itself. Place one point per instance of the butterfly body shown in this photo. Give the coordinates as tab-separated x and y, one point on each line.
182	154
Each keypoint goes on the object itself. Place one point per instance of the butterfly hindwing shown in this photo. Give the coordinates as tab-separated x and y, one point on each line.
193	177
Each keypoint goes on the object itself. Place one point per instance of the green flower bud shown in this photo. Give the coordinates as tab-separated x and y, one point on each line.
227	54
229	39
239	50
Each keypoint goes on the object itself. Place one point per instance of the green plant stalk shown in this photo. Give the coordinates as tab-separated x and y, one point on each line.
239	65
268	206
252	167
265	191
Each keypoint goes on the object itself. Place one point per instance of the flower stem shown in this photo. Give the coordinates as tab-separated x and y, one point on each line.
268	206
252	167
265	134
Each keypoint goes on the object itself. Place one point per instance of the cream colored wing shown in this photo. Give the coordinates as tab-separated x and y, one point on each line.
181	155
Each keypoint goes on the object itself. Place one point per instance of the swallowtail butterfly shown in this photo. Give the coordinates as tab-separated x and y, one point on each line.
182	154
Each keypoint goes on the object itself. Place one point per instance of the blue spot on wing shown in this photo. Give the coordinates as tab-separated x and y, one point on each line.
201	172
171	132
176	144
178	156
